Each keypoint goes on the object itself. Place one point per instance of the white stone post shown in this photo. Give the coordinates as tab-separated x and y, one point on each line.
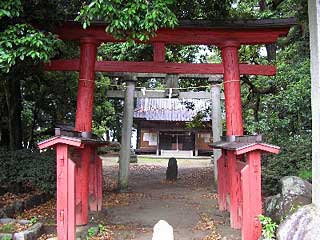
314	27
126	133
216	122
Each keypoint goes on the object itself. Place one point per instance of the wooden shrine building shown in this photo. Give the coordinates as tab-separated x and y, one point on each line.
162	127
79	169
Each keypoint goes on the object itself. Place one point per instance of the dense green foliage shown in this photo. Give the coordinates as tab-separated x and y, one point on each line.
22	41
26	168
138	19
280	107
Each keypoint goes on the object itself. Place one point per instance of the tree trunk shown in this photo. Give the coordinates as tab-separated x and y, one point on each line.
33	126
13	98
271	52
4	131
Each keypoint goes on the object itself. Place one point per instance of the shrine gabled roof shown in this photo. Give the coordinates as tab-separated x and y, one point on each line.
244	147
244	144
71	141
170	109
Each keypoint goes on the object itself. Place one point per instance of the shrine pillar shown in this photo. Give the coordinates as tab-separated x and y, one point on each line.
231	77
126	133
88	52
233	107
216	121
314	26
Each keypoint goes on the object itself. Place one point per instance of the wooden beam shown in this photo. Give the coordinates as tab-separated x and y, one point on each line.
137	94
197	95
183	35
159	52
151	67
217	77
180	68
157	67
138	75
161	94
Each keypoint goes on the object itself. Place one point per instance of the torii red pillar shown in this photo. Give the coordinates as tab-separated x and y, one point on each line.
233	105
232	87
88	52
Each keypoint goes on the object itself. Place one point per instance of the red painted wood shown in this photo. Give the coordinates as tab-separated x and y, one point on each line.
254	161
239	195
93	182
59	140
71	199
261	147
88	51
246	204
160	67
181	35
222	185
234	188
62	191
232	88
99	182
82	187
62	65
180	68
252	201
159	52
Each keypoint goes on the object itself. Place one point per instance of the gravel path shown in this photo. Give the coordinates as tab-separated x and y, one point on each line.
189	205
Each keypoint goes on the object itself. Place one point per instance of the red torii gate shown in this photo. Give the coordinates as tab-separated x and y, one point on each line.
238	180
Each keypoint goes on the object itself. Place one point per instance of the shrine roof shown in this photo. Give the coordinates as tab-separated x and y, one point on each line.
170	109
65	134
244	144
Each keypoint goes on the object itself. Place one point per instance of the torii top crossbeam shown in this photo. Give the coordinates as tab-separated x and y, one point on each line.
194	32
221	34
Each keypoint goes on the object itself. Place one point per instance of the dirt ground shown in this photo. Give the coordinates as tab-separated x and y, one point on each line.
188	205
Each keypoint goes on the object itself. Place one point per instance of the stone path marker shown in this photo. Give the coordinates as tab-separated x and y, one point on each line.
162	231
172	170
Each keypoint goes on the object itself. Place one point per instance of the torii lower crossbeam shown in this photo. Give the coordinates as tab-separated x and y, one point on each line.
160	67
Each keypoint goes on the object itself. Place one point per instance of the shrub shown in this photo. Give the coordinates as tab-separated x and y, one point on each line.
268	227
293	160
27	168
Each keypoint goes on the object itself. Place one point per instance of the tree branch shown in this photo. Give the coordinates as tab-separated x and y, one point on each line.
254	89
